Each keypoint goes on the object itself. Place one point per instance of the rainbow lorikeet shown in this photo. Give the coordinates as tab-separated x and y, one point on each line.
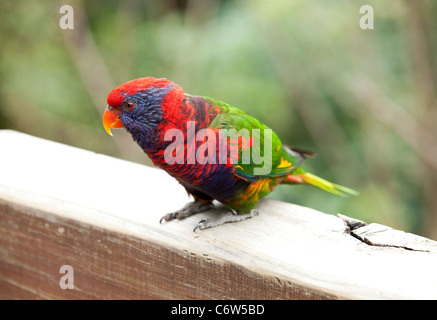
216	151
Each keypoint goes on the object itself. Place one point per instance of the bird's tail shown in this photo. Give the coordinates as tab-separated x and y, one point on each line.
300	176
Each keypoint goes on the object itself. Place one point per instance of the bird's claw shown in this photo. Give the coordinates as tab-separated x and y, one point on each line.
168	217
188	210
229	216
200	225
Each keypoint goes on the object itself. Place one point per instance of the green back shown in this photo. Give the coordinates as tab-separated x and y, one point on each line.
250	157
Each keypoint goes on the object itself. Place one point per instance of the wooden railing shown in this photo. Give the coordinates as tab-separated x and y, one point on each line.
76	224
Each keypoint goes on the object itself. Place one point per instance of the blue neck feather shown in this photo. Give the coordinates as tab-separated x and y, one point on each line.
141	122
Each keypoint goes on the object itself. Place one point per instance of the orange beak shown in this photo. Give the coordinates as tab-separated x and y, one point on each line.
111	120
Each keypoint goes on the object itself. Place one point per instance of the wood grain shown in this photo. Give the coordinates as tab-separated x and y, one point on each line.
61	205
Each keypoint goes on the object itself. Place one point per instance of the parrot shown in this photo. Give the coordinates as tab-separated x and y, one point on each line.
214	150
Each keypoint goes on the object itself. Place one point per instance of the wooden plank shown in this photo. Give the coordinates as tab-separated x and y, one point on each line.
61	205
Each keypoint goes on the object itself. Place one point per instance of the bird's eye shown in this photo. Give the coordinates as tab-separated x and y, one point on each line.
129	105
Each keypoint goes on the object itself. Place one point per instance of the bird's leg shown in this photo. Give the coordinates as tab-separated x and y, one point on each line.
228	216
188	210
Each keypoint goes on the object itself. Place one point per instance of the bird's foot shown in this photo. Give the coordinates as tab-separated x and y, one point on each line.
228	216
188	210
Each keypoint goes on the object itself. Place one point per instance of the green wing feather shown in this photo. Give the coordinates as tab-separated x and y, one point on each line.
282	160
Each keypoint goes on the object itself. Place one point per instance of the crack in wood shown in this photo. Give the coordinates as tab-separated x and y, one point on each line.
354	227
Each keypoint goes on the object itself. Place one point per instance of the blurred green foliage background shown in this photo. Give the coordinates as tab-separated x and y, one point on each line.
365	100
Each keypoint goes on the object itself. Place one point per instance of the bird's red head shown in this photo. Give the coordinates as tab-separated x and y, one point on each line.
140	99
